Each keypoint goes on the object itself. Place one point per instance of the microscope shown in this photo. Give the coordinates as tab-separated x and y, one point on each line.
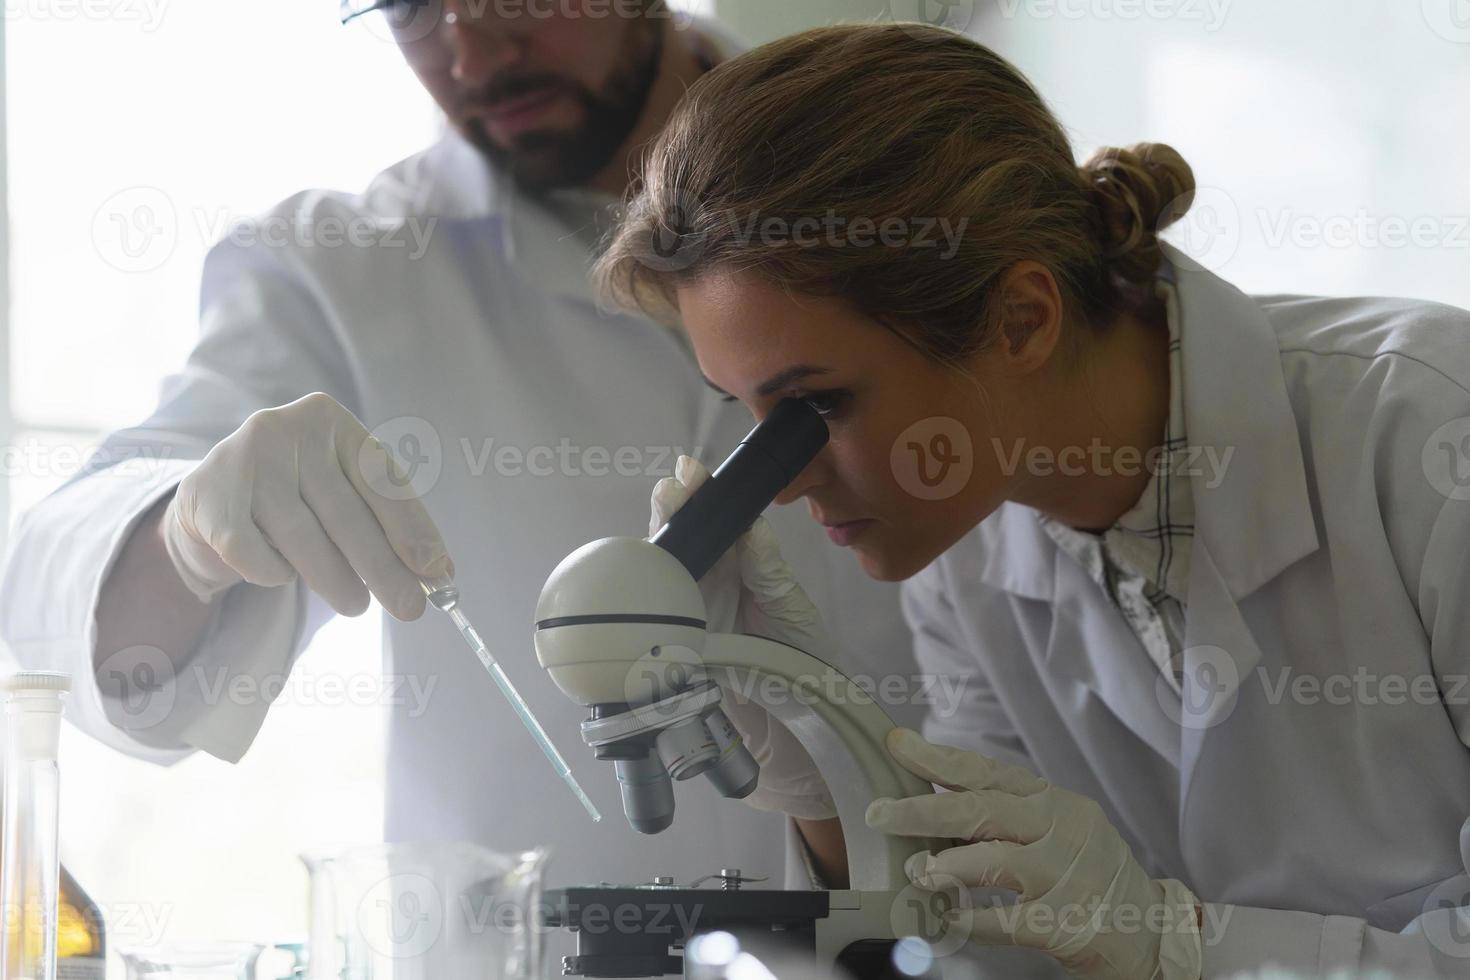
621	629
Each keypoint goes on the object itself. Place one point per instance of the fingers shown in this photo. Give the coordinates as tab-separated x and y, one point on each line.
299	537
673	492
690	472
244	549
986	864
405	522
668	496
205	546
356	531
959	769
969	816
762	567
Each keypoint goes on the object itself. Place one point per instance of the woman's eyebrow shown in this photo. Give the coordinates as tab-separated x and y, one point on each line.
795	373
721	391
775	383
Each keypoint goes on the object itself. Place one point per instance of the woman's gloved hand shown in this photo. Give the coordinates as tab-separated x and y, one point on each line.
1083	897
752	589
304	489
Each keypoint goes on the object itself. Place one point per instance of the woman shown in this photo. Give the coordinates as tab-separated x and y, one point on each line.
1200	557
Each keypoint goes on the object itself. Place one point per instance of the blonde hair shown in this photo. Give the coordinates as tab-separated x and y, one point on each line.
888	122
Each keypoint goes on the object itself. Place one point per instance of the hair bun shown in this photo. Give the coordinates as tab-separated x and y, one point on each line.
1139	190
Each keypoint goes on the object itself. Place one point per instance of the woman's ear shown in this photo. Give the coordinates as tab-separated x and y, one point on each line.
1030	318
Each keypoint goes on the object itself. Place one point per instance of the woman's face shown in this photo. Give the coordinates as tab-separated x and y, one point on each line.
911	466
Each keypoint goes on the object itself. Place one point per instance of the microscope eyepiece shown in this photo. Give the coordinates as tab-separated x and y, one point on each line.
771	456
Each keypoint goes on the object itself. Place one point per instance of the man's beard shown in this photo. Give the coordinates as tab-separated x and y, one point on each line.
543	161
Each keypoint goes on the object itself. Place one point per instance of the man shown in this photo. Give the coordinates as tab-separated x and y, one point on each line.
205	546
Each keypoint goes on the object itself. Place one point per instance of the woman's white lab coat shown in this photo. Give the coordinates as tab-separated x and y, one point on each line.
1313	783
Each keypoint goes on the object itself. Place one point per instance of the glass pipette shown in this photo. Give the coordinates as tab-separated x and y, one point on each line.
444	595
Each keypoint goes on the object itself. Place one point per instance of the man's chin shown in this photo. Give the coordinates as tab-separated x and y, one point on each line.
538	160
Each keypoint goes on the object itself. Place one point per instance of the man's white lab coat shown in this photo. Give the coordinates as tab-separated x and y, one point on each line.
1313	784
539	424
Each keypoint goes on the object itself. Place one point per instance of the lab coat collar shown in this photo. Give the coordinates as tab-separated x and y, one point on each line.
1253	517
1257	519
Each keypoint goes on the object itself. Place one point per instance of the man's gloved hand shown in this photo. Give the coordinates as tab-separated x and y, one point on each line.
752	589
304	489
1083	897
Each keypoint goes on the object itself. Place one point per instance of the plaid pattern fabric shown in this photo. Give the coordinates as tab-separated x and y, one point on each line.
1142	562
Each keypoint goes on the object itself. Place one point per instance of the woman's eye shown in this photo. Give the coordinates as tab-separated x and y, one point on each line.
825	403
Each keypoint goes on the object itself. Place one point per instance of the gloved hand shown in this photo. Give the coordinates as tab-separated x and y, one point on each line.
291	492
1083	897
752	589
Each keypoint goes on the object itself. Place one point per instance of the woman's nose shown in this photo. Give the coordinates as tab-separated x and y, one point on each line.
807	480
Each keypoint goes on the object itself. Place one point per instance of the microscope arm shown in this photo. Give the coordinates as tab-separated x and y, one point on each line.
843	729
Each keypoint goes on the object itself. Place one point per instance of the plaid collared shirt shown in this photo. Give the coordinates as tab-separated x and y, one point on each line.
1142	562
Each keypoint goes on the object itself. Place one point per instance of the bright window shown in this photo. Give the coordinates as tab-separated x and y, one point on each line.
136	129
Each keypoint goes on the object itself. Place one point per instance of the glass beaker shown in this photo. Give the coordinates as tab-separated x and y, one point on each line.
424	911
193	961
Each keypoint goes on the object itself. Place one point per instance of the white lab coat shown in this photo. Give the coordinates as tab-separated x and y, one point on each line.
491	338
1318	827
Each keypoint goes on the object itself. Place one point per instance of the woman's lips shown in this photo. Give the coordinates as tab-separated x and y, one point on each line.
843	534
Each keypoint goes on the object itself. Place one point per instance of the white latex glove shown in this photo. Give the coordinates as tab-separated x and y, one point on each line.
291	492
752	589
1083	897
